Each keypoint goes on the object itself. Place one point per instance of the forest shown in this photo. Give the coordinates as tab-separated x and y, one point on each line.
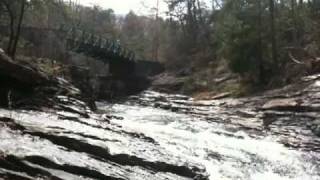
263	44
179	90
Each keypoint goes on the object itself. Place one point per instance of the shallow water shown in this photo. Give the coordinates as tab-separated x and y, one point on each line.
223	153
147	137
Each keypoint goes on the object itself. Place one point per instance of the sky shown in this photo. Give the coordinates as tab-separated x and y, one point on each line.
122	7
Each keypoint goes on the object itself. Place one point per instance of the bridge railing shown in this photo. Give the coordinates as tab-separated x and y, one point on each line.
96	46
84	42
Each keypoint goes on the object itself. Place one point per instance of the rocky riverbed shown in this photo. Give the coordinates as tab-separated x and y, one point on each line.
162	136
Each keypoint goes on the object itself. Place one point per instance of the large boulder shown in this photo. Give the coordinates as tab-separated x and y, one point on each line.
19	73
17	79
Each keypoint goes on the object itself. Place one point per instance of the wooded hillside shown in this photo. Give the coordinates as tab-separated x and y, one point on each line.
263	43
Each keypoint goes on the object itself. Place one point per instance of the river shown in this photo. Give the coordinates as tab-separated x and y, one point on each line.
152	136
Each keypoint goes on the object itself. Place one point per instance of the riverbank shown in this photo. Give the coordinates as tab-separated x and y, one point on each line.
296	104
202	82
53	134
163	136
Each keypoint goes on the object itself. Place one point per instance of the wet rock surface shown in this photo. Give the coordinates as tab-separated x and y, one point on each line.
161	136
74	143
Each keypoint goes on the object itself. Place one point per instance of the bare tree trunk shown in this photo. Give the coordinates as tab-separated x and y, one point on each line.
260	55
11	36
273	33
156	39
14	31
17	35
300	3
200	12
295	30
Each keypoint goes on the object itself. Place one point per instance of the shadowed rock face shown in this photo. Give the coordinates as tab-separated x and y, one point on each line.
24	85
22	74
18	78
